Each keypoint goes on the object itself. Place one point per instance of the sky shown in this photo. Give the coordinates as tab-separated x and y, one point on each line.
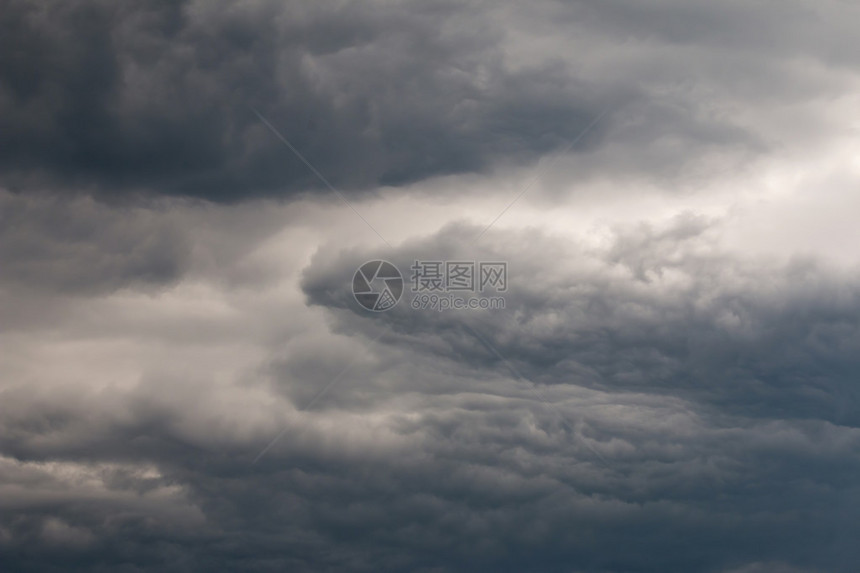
188	381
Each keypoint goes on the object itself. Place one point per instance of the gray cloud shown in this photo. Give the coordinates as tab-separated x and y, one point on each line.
124	100
660	310
669	397
158	97
690	416
81	246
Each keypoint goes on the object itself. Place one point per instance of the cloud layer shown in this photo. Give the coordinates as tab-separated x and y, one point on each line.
659	394
188	383
161	98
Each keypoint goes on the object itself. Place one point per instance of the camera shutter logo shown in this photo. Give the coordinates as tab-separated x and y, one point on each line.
377	285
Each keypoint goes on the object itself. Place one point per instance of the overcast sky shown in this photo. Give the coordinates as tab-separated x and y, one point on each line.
188	383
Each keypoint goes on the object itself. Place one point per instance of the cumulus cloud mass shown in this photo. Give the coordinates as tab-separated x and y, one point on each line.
666	380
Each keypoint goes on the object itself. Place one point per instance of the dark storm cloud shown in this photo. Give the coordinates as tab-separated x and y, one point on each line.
81	247
718	437
158	96
660	432
453	483
663	403
661	310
